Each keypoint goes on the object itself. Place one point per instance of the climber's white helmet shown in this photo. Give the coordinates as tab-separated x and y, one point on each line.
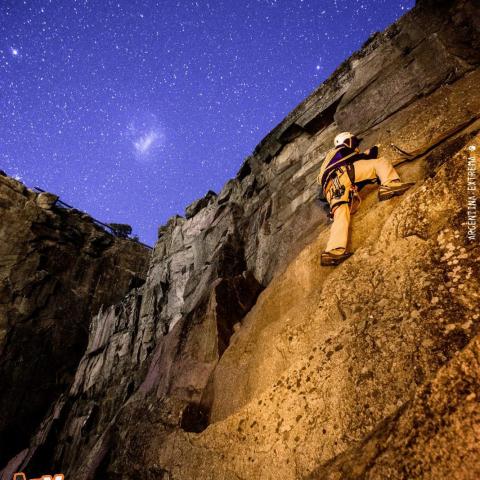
341	138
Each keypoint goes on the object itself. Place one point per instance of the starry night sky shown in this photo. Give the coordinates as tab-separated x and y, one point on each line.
132	109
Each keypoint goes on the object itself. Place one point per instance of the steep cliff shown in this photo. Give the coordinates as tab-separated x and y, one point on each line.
56	269
241	358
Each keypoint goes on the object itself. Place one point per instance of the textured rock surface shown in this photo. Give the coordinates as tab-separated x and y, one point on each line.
435	434
327	372
56	270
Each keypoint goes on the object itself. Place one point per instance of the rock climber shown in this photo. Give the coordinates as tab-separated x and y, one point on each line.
343	169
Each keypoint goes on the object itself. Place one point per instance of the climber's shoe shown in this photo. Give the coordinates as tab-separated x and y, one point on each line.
330	259
388	191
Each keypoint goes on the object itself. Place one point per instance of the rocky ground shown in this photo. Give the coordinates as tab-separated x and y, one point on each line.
241	358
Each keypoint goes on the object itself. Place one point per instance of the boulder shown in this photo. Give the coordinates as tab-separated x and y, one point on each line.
46	200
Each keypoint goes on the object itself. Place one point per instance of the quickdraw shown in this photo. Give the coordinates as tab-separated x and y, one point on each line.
354	201
354	195
338	188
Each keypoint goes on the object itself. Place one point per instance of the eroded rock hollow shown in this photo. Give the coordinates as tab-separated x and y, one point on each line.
240	357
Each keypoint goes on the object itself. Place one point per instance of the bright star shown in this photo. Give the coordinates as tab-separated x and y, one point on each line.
14	51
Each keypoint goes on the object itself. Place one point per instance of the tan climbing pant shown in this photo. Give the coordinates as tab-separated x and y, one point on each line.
364	170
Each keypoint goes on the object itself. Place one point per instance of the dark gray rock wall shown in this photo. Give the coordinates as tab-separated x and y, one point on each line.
56	270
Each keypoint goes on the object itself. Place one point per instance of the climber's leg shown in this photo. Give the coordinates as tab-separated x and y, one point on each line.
377	167
337	242
339	231
335	252
384	170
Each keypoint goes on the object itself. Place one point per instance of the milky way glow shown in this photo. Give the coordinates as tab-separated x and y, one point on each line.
147	137
145	143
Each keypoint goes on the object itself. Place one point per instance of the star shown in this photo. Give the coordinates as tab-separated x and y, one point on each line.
14	51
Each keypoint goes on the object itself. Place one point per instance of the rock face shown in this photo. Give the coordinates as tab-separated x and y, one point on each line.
241	358
435	433
56	269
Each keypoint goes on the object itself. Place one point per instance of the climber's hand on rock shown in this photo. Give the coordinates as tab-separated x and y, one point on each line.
372	151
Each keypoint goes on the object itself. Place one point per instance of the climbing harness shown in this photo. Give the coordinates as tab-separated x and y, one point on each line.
336	189
325	175
333	189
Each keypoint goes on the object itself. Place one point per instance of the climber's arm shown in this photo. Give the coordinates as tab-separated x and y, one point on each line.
368	154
